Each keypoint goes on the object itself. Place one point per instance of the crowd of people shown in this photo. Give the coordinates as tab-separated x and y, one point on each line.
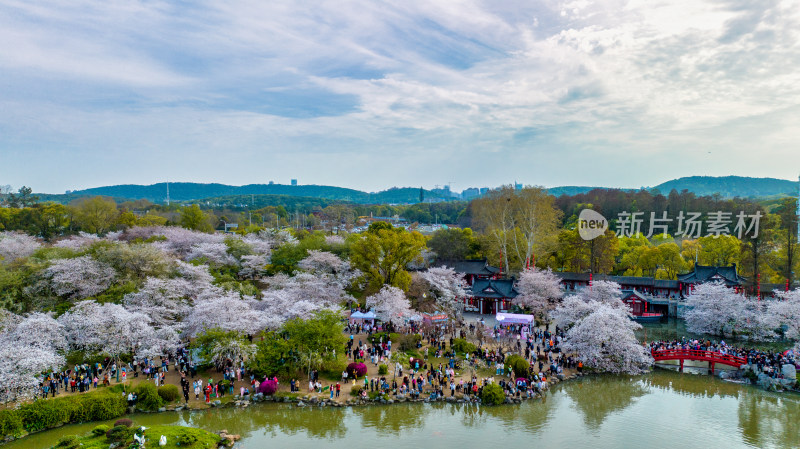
768	362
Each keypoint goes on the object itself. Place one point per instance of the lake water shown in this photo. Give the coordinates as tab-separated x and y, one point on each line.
661	409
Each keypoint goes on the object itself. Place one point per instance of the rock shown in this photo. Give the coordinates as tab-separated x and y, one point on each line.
561	376
789	371
179	408
301	404
217	403
162	409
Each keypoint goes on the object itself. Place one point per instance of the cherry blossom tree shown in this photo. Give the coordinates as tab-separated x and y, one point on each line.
233	349
390	304
605	340
16	245
447	287
253	266
577	306
715	309
104	328
329	266
39	330
228	312
785	311
79	277
162	301
214	253
334	240
77	242
21	368
539	290
197	274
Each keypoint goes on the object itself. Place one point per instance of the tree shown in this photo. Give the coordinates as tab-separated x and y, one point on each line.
95	215
721	251
539	290
785	311
232	349
382	254
228	313
521	222
390	304
104	328
579	305
23	198
447	288
787	258
79	278
714	309
454	244
194	218
605	340
317	338
15	246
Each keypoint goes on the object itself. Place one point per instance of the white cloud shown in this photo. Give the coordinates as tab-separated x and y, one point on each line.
525	90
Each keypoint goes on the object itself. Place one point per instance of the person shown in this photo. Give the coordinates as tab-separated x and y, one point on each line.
338	388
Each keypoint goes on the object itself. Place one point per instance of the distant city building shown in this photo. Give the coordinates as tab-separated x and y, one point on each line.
517	186
484	190
472	192
271	182
294	182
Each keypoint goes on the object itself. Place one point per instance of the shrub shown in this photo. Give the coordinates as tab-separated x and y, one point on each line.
147	397
169	393
355	391
356	370
186	439
10	423
492	394
118	434
405	342
383	369
68	442
101	430
268	387
123	422
376	337
518	364
46	414
463	346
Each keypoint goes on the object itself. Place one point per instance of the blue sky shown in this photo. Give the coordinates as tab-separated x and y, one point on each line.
371	95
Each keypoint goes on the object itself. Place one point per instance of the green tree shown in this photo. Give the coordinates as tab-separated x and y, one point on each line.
721	251
786	259
454	244
382	254
192	217
95	215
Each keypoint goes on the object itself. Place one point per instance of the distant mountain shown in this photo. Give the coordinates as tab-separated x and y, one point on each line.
190	191
572	190
257	201
731	186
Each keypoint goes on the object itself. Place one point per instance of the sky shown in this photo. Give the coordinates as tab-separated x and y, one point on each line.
375	94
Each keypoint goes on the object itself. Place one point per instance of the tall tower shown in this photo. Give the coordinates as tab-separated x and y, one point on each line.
167	193
798	208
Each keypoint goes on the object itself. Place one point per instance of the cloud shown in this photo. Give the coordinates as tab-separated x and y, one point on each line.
475	91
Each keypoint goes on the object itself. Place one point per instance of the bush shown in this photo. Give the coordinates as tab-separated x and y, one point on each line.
186	439
10	423
123	422
147	397
46	414
268	387
356	370
405	342
383	369
101	430
492	394
68	442
169	393
376	337
518	364
356	391
118	434
463	346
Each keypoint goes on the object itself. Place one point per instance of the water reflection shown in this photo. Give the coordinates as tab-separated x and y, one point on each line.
597	397
696	385
392	419
769	419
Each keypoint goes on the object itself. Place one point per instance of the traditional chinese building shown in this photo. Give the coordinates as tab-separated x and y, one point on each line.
472	270
702	274
491	296
660	288
642	307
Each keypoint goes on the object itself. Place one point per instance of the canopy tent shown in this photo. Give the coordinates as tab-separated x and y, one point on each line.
369	315
362	317
513	318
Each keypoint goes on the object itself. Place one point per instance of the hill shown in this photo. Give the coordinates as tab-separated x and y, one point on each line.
731	186
257	201
190	191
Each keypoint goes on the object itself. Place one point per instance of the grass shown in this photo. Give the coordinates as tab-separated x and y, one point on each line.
200	438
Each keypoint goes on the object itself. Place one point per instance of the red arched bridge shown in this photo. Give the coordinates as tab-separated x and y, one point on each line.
694	354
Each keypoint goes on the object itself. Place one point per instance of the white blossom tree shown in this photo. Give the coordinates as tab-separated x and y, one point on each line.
39	330
447	287
390	304
228	312
16	245
104	328
21	368
233	349
330	267
539	290
715	309
79	277
77	242
785	311
253	266
212	252
605	340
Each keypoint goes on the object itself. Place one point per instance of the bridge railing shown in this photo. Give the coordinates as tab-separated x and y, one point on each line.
696	354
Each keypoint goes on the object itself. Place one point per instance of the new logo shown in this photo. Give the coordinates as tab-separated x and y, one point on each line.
591	224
